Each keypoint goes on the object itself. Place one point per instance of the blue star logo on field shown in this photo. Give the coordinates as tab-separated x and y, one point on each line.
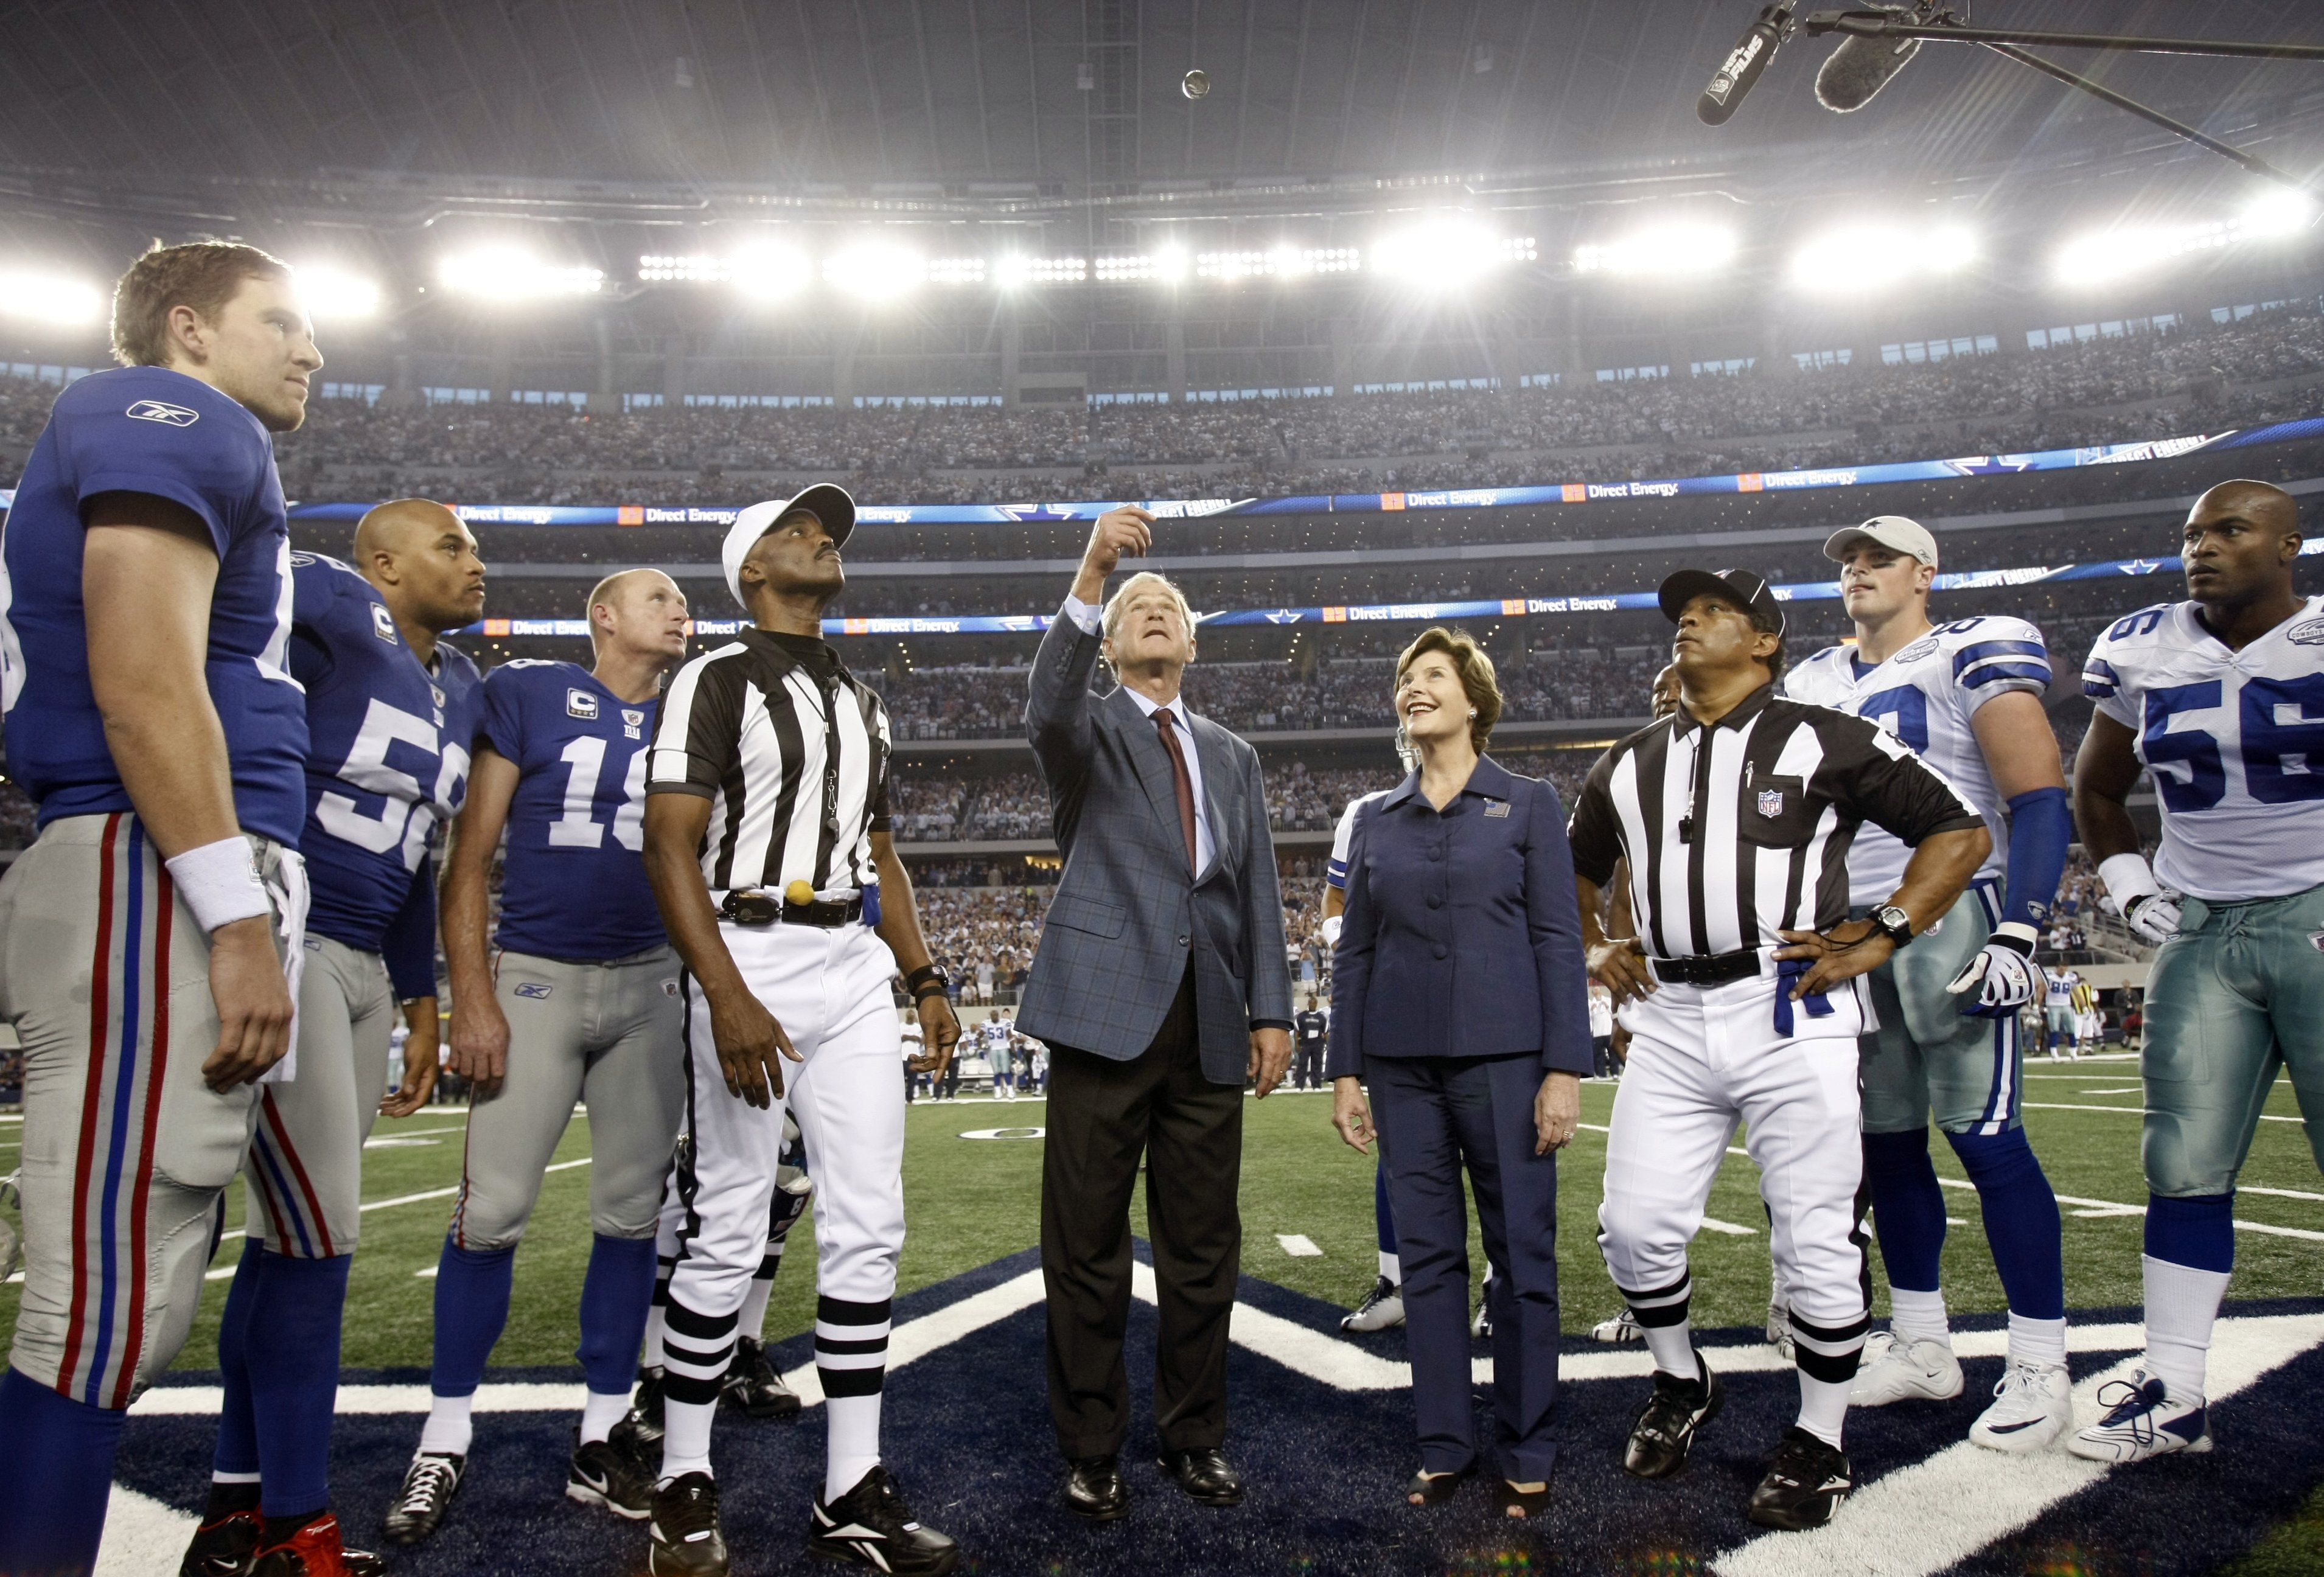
1771	803
2141	566
1034	511
1283	616
162	411
1992	465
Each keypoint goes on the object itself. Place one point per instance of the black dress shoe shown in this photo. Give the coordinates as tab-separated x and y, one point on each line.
1205	1475
1095	1490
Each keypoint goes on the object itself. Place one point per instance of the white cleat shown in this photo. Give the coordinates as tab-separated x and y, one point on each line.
1382	1307
1621	1327
2141	1420
2032	1405
1779	1332
1897	1370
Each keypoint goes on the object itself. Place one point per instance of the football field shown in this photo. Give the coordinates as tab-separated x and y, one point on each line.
972	1181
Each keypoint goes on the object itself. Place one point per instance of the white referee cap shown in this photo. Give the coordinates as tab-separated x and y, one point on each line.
825	501
1894	532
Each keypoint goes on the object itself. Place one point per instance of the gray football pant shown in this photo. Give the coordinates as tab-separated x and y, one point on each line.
305	1167
609	1034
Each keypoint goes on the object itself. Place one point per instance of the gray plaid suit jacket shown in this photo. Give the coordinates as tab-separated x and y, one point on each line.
1128	916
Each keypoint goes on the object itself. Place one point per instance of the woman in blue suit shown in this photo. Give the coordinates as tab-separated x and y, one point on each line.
1459	999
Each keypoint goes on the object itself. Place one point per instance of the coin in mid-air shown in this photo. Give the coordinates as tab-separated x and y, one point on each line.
1197	85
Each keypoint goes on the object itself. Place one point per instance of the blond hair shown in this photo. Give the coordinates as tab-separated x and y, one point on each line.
1470	665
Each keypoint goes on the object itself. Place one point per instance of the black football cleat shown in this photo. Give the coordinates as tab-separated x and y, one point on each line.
870	1526
430	1484
683	1540
602	1474
1804	1485
1665	1429
314	1550
645	1416
225	1545
753	1384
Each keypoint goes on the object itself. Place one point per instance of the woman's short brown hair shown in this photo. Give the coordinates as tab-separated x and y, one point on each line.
1474	667
200	274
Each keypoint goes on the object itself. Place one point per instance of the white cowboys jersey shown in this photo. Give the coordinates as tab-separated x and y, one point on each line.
2234	741
1336	873
1925	695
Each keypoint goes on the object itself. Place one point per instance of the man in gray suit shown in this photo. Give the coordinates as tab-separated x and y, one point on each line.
1161	990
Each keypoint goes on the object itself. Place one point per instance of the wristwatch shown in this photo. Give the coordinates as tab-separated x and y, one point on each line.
1894	923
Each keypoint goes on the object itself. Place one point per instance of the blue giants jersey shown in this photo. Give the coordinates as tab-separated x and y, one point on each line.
389	761
574	885
147	430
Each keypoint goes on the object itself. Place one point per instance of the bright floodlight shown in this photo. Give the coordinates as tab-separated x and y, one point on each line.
683	268
1441	254
1665	251
47	298
874	273
2279	212
2126	250
333	295
500	274
1877	252
768	274
1018	270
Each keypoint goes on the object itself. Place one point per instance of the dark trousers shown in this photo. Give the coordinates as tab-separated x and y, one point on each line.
1102	1116
1307	1066
1437	1116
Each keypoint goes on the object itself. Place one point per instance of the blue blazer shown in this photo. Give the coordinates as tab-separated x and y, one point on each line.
1461	936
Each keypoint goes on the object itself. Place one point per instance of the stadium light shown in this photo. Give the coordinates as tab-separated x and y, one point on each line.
333	295
1276	263
956	270
1166	266
2106	256
1015	270
1445	255
688	268
1662	252
503	274
53	299
2279	212
768	274
1868	252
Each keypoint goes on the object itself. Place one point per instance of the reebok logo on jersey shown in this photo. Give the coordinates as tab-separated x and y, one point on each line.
2308	633
581	704
533	991
162	411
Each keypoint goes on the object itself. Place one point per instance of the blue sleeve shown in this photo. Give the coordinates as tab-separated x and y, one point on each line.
206	465
1553	925
310	609
500	721
2041	826
410	946
1351	961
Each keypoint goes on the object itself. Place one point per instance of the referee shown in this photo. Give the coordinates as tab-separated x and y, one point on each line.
1735	813
767	842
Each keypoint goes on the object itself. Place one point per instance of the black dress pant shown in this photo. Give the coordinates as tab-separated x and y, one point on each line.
1102	1116
1307	1066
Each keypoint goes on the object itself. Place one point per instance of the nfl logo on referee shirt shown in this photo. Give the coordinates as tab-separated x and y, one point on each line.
581	704
1771	803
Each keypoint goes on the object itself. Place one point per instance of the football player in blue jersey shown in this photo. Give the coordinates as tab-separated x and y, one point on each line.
391	712
575	998
2220	699
1967	696
148	936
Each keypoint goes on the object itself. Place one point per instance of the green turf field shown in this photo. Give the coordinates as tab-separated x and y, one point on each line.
972	1201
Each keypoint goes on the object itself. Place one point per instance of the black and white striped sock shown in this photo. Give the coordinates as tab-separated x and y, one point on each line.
851	1359
697	1350
1826	1356
1662	1316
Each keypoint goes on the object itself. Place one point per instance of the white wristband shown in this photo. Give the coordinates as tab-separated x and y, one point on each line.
2128	879
219	882
1332	930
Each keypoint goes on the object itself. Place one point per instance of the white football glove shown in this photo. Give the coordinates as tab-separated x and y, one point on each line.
2003	975
2153	915
1332	930
2148	911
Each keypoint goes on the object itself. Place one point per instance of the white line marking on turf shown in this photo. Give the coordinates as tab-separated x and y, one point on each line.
2097	1209
141	1536
225	1272
1299	1245
1712	1224
1939	1511
2128	1111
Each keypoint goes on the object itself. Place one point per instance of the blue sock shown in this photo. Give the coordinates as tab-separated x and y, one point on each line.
2199	1234
2021	1219
472	1305
296	1312
1380	1216
237	1437
1908	1207
614	1297
60	1476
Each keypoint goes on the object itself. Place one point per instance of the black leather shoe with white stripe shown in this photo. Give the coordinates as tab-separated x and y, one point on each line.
430	1484
1663	1435
870	1526
753	1384
682	1539
1804	1485
603	1474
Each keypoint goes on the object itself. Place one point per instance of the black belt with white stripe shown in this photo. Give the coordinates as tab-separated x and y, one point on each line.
1710	969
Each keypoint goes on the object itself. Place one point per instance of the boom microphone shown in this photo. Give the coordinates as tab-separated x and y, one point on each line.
1861	67
1744	63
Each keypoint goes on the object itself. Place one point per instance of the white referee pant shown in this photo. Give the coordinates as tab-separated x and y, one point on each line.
829	990
1703	1058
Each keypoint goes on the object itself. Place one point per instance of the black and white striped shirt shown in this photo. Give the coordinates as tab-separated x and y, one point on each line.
791	751
1741	830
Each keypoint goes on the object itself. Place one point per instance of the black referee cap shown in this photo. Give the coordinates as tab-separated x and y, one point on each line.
1749	592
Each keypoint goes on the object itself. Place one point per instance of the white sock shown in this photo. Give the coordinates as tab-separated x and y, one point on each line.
753	1322
686	1437
1392	1268
654	1337
1918	1317
1823	1407
2181	1305
447	1431
853	1448
1673	1348
218	1478
600	1413
2032	1341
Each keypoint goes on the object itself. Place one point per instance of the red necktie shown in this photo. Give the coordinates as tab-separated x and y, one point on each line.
1162	720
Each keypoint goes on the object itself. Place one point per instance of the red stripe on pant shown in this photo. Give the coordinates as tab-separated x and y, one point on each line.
298	1175
157	1065
100	1040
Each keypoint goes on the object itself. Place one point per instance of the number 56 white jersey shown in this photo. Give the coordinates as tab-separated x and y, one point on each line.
2234	741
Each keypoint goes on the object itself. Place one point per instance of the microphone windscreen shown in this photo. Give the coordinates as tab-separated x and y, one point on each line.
1860	68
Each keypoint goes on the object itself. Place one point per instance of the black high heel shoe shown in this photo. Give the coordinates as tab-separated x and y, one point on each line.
1436	1488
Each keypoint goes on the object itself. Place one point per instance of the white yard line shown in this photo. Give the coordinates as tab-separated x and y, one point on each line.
225	1272
2097	1209
2127	1110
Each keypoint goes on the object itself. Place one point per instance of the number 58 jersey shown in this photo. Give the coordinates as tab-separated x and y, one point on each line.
2234	741
574	885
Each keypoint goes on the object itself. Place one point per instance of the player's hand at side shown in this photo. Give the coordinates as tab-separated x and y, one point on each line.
1126	532
252	1000
1850	948
750	1045
2154	916
1556	1112
1270	1057
2002	976
1619	965
940	1032
1351	1113
419	1059
480	1042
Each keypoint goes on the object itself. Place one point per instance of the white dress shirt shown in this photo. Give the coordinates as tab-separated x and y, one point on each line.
1088	620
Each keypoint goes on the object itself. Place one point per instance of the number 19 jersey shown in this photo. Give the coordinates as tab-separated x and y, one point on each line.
2234	741
574	885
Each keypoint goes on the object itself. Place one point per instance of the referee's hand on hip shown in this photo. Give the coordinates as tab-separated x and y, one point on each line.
748	1039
